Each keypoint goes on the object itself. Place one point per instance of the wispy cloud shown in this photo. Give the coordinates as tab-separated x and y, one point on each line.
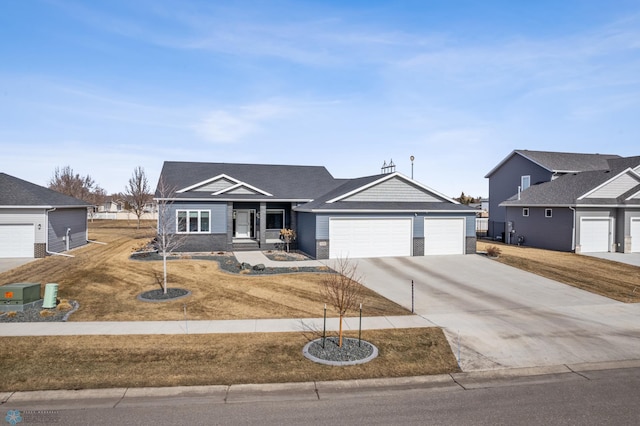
233	125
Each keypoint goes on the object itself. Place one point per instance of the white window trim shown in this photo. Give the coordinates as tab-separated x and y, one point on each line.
548	212
522	186
525	211
274	211
178	211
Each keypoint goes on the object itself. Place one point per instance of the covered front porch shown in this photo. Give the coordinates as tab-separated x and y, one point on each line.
256	226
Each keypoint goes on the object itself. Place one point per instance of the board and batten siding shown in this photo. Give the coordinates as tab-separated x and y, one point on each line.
33	217
59	221
615	188
394	190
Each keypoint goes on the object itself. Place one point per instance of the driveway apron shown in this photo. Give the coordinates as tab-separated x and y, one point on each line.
496	316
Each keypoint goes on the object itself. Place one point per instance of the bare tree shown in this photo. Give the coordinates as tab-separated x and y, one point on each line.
137	193
97	198
167	238
65	181
343	289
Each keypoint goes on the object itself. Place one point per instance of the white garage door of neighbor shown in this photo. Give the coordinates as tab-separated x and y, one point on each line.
635	235
16	240
357	238
594	235
444	236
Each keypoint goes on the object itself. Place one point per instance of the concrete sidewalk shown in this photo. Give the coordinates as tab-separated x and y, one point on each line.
207	327
257	257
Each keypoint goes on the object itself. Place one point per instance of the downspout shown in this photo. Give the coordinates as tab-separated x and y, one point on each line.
573	230
46	236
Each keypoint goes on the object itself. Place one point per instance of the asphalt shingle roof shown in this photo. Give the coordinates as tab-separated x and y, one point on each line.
566	189
281	181
18	192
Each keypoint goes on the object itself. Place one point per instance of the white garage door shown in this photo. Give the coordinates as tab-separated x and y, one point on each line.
356	238
635	235
444	235
594	235
16	240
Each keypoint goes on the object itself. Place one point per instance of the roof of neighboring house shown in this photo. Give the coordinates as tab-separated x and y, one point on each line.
571	189
561	162
16	192
265	181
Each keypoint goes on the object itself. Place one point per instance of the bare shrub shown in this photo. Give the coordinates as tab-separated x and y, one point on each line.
493	251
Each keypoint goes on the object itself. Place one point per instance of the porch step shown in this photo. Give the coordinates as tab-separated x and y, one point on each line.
245	245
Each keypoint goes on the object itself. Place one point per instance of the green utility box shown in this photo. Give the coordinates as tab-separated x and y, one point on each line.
19	293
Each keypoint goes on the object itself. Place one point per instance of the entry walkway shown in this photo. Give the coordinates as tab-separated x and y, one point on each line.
257	257
207	327
628	258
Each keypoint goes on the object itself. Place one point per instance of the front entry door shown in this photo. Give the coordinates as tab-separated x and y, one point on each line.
243	224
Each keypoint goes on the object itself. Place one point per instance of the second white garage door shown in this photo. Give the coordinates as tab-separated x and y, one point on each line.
635	235
444	235
594	235
16	241
357	238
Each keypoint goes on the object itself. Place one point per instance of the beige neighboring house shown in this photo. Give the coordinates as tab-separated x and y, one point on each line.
115	209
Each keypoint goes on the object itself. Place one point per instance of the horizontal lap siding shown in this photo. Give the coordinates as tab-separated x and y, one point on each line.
59	221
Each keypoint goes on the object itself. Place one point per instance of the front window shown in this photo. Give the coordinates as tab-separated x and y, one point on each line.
525	182
193	221
525	212
275	219
548	213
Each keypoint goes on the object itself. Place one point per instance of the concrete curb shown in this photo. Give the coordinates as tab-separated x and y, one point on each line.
223	394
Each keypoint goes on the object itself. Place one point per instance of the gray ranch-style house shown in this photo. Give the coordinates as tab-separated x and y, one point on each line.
227	207
582	202
36	221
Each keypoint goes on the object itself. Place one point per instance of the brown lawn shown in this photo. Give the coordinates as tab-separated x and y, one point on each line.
106	283
615	280
85	362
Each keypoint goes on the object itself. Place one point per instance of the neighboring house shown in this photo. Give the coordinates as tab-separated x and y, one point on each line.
226	207
523	168
116	209
35	220
588	211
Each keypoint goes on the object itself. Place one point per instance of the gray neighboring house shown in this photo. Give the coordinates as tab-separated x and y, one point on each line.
586	212
35	220
523	168
225	207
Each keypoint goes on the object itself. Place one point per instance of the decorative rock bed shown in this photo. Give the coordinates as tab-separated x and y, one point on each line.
32	314
229	263
352	352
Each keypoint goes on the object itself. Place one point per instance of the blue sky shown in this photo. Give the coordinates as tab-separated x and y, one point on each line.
105	86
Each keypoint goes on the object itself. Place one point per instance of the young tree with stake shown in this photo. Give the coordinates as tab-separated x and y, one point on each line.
343	289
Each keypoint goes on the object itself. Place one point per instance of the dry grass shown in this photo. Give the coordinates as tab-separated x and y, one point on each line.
106	284
83	362
610	279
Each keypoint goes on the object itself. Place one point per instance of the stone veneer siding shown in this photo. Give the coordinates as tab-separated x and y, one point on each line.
40	250
418	246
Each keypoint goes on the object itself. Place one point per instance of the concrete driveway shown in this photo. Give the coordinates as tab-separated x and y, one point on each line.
8	264
629	258
496	316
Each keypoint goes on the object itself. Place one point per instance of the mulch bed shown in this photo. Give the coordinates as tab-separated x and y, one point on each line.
33	314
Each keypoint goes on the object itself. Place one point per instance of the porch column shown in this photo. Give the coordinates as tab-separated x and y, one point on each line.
294	219
263	224
230	225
